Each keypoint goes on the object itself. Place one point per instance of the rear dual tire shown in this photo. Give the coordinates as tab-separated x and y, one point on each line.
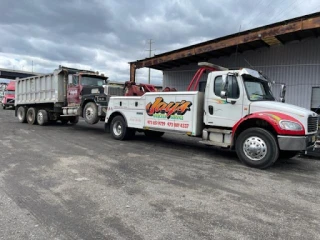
257	147
22	114
32	116
42	117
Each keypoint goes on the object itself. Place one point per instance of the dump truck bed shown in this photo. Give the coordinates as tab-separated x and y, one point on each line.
49	88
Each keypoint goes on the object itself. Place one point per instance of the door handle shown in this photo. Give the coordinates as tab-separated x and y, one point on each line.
211	109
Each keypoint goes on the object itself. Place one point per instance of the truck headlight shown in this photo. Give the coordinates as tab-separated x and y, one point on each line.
288	125
101	99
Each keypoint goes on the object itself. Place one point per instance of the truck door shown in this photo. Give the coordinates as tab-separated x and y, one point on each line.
73	91
220	111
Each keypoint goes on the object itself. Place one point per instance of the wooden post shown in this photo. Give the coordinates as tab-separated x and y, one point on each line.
132	72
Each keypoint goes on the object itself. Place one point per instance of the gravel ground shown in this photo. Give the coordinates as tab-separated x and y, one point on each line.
76	182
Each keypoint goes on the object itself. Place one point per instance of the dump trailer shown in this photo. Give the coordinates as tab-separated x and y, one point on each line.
64	95
236	111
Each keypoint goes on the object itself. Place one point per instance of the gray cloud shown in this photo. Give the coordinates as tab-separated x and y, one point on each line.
106	35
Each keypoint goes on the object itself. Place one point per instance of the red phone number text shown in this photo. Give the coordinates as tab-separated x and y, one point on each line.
169	124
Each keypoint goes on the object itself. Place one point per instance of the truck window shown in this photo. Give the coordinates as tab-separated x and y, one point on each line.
75	80
233	87
257	89
91	81
218	85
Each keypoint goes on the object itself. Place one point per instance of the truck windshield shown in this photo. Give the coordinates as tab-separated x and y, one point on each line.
257	90
9	92
92	81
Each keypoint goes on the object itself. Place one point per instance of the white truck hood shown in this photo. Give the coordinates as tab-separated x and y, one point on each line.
299	113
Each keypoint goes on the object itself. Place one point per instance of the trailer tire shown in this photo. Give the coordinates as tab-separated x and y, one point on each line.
153	134
119	129
42	117
21	113
90	113
257	147
32	116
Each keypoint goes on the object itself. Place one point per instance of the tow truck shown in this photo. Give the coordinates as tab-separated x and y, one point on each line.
237	111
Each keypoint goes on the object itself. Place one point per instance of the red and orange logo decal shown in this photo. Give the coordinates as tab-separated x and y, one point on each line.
159	106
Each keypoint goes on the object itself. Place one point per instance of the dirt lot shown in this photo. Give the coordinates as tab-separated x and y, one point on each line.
75	182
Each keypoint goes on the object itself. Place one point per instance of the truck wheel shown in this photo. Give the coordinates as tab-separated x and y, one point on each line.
42	117
3	107
257	147
22	112
287	154
119	129
32	116
153	134
90	113
74	120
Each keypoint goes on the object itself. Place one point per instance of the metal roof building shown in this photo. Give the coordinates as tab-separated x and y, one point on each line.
287	52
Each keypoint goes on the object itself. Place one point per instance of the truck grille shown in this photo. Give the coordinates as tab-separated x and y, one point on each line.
10	101
312	124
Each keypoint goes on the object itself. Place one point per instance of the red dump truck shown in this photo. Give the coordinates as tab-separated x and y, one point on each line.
9	95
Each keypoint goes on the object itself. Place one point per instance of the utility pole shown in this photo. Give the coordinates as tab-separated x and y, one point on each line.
150	51
32	65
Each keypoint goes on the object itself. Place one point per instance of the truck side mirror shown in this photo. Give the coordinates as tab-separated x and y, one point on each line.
224	82
282	93
224	87
223	94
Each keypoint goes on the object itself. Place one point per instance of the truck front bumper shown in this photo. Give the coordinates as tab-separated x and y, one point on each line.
296	143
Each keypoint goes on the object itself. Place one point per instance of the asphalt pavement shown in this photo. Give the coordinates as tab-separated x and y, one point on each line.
76	182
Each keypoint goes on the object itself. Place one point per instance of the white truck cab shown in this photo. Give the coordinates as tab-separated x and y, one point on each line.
237	111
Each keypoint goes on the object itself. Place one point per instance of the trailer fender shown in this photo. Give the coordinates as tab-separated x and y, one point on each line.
267	120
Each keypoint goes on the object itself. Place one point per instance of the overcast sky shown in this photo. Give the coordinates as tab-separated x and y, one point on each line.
105	35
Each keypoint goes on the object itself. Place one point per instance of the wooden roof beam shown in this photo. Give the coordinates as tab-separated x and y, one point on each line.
240	39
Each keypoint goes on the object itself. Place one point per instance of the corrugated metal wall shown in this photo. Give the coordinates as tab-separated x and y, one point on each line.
295	64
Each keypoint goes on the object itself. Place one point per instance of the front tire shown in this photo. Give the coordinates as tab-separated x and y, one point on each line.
90	113
119	129
21	113
42	117
32	116
257	147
